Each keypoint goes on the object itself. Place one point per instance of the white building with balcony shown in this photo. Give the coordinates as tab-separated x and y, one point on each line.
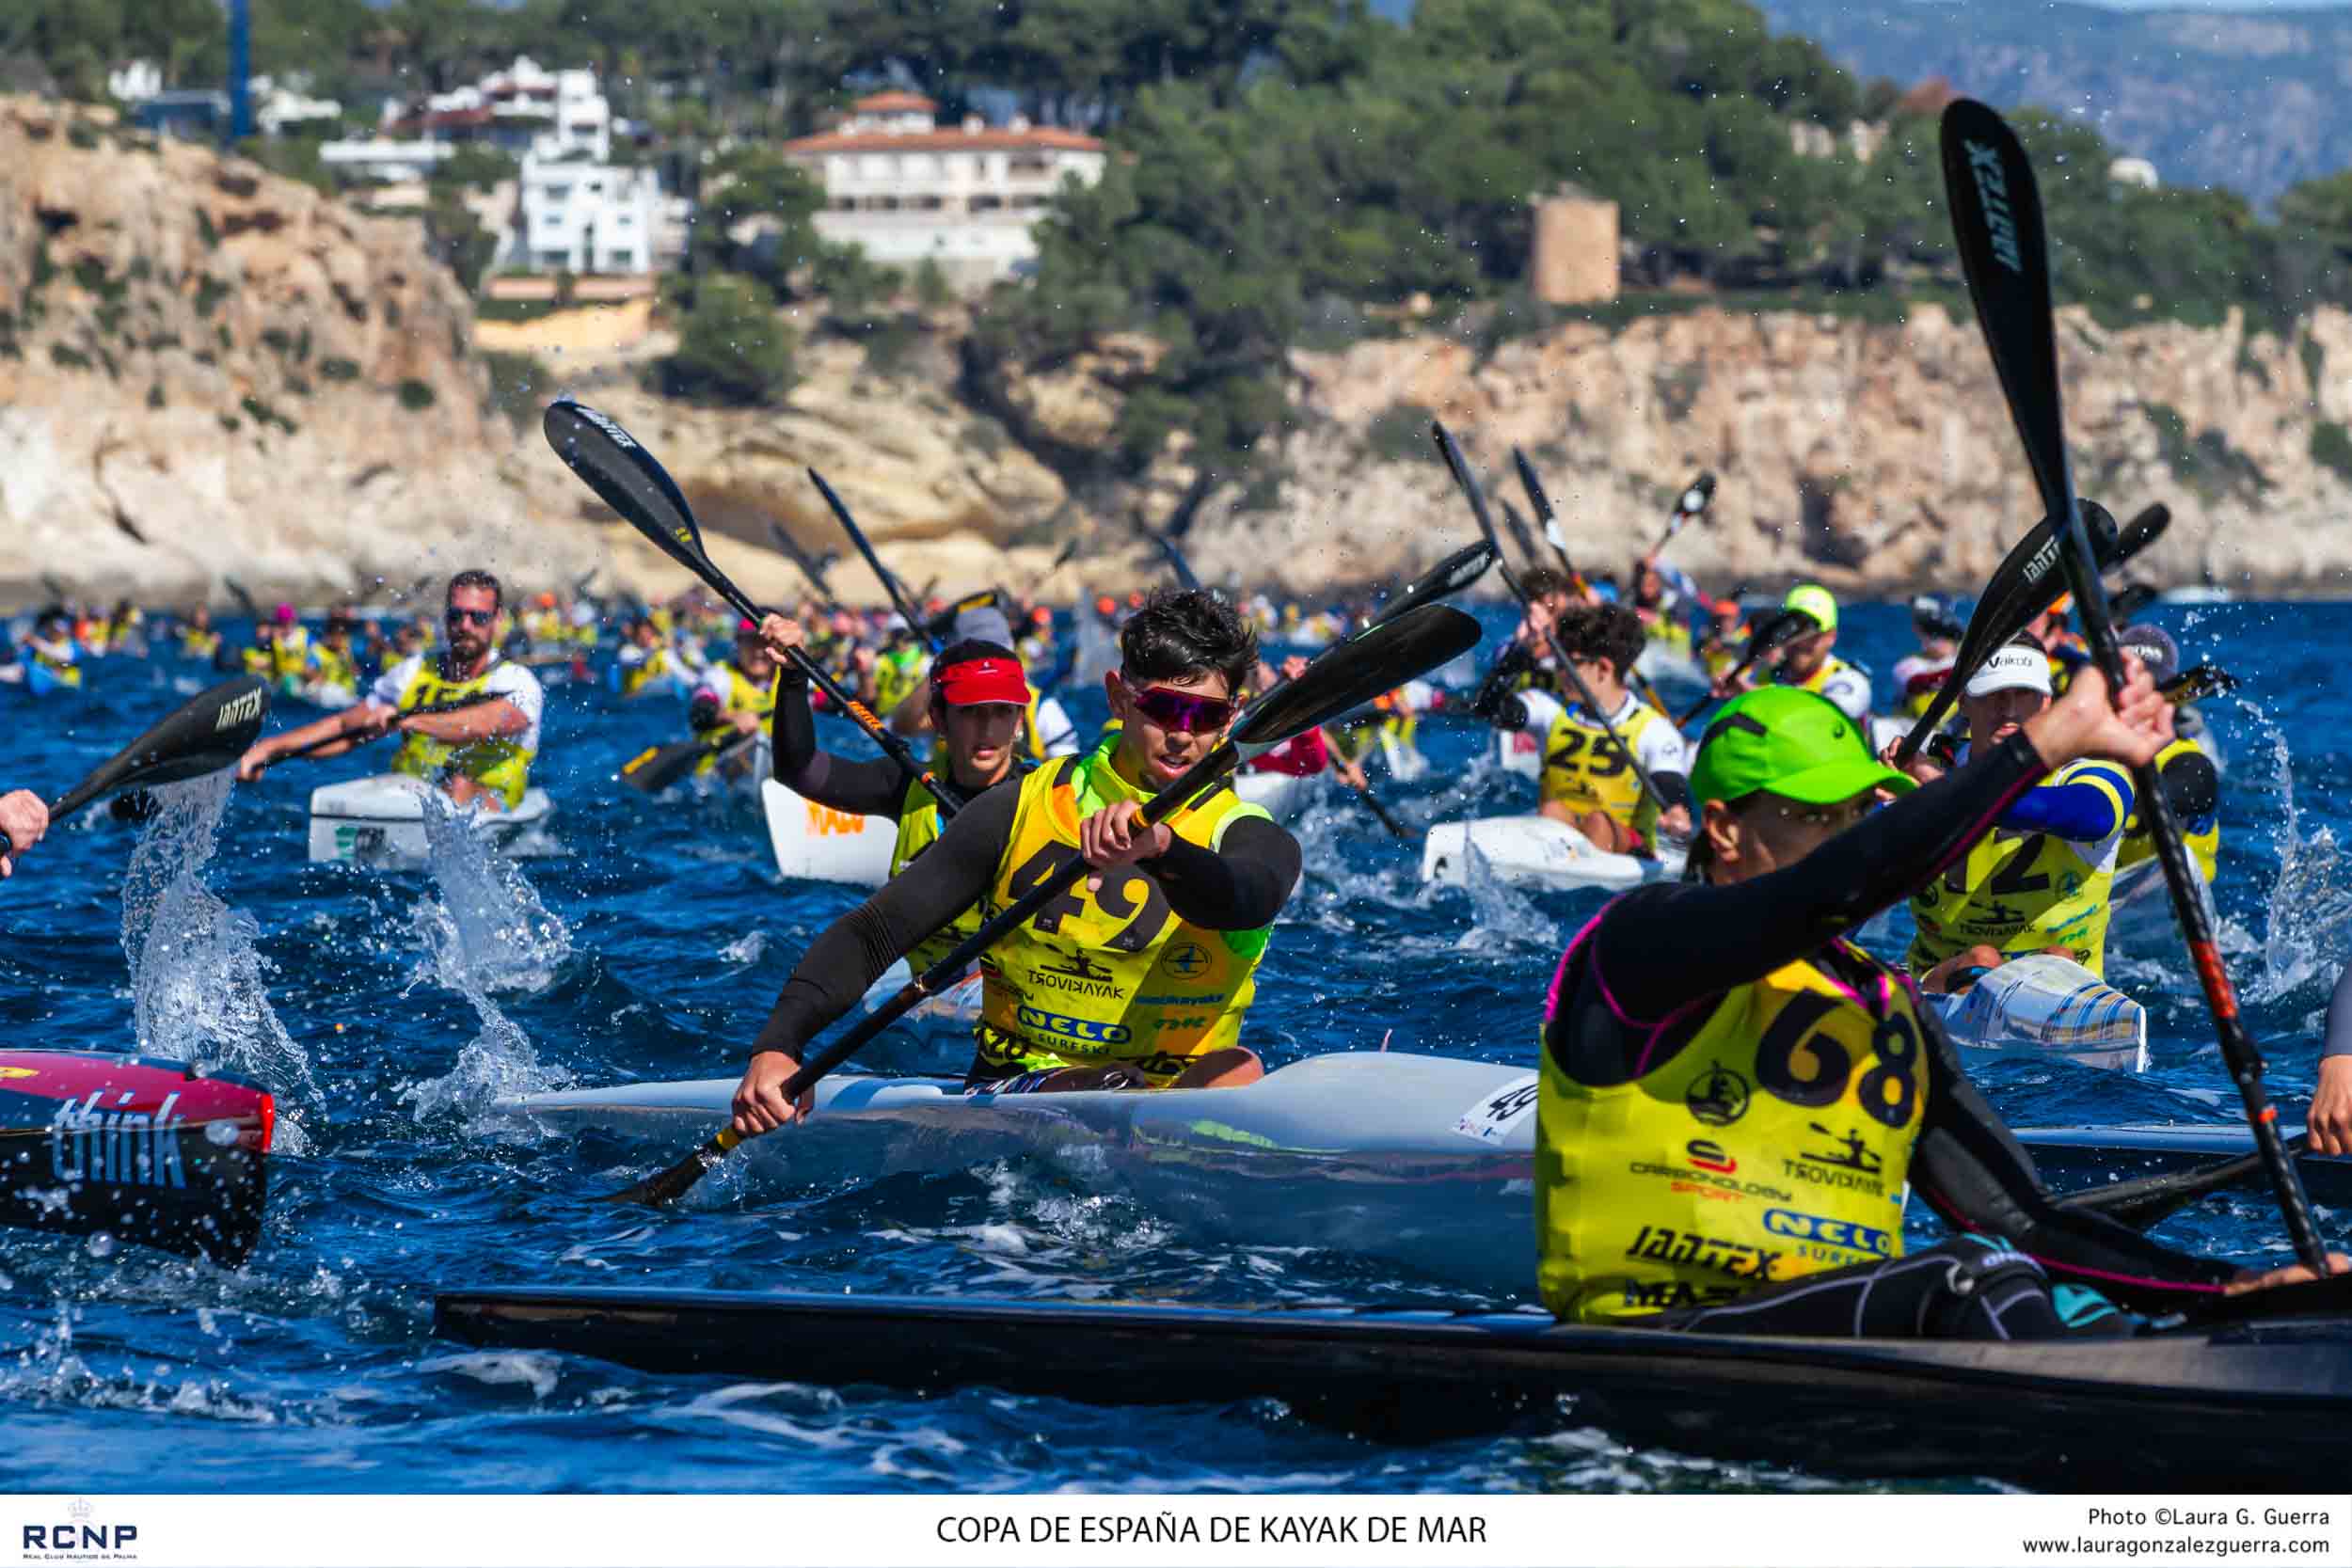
587	217
904	189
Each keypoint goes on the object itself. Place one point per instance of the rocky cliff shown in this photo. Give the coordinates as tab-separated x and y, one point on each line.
208	372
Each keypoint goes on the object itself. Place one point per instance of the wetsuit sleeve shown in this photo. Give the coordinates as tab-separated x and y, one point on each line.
875	787
1659	946
851	953
2088	805
1977	1177
1239	886
2339	1041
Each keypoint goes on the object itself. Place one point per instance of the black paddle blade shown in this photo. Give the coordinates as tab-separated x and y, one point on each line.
137	1147
2137	534
891	585
1997	223
1697	496
628	480
1447	577
1533	484
1459	466
1520	535
1380	658
664	1188
207	733
1175	558
2195	684
2127	604
657	768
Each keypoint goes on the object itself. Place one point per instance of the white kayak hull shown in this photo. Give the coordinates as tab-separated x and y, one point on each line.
818	843
1282	794
1533	852
380	821
2045	1007
1424	1160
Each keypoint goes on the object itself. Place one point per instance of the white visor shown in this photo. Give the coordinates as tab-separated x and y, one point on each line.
2011	669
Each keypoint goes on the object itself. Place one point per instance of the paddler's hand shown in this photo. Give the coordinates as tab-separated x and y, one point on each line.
2083	723
1675	822
1116	836
255	762
759	1103
746	721
2330	1118
2294	1273
1919	764
1294	666
23	819
779	635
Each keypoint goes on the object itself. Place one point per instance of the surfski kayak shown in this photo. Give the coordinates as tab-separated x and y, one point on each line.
2258	1404
1533	852
2083	1156
379	821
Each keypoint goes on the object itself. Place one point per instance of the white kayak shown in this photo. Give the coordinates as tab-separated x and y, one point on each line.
330	695
1533	852
818	843
380	821
1425	1159
1282	794
2046	1007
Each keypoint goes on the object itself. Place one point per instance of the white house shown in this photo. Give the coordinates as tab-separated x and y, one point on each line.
904	189
136	82
587	217
283	106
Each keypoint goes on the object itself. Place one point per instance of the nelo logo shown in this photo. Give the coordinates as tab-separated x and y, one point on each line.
1829	1232
1085	1029
78	1541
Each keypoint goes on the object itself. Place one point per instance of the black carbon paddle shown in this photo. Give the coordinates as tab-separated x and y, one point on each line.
2004	251
205	734
1346	675
627	476
1533	484
891	585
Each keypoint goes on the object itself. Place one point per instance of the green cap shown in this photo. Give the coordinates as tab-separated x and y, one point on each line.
1812	599
1793	742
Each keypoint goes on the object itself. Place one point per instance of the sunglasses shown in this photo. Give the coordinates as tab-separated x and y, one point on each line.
1179	710
457	617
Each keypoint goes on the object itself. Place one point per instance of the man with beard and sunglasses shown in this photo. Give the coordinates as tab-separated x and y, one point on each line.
1139	975
469	720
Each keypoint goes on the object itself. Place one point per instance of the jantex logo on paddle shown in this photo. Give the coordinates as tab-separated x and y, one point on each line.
77	1538
1984	163
240	710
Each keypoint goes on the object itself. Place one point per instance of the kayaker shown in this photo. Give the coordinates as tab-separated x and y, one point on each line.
282	651
479	753
1141	974
2055	634
1046	728
198	640
2038	879
643	657
734	700
2329	1119
2192	784
23	817
1725	641
1587	781
1527	668
1310	754
1728	1129
51	646
1919	675
1806	661
1660	592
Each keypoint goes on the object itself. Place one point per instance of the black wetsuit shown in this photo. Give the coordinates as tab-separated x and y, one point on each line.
1659	946
1238	887
863	786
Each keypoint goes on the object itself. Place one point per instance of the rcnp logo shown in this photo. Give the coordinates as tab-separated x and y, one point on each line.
1829	1232
1084	1029
79	1539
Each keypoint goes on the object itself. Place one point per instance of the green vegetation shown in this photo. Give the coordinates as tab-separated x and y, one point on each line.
1400	433
732	347
416	396
518	385
336	368
2331	448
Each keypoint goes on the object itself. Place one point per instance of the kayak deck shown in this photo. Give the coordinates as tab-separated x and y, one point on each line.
2079	1156
2052	1414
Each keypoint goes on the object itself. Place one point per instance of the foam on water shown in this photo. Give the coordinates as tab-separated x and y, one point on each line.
199	987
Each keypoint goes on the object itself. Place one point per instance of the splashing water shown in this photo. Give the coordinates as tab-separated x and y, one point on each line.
486	932
2310	902
198	984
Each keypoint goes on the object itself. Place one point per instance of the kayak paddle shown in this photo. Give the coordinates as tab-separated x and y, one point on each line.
1520	535
144	1149
2004	251
205	734
625	476
2197	683
2144	1200
322	742
1533	484
1784	625
1468	483
1691	504
1347	674
2125	607
891	585
657	768
812	570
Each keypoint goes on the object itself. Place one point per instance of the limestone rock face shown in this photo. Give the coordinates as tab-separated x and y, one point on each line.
1875	458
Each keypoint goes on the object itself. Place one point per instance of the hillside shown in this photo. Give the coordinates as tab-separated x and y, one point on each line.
2255	102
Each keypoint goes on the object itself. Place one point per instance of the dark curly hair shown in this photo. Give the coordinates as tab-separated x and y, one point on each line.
1185	632
1603	632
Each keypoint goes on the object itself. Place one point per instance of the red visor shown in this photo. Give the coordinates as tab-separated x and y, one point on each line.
981	680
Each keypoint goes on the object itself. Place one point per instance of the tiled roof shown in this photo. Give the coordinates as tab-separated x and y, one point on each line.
992	140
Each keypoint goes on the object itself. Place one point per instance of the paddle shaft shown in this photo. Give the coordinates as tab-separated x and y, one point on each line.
2146	1199
1770	635
890	584
1533	484
1468	483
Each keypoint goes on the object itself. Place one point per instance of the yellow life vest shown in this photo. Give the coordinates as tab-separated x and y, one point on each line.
1776	1143
1112	974
894	676
290	658
66	671
742	696
919	828
2203	837
335	668
199	645
1721	654
1669	631
1585	770
636	677
499	766
1831	665
2020	892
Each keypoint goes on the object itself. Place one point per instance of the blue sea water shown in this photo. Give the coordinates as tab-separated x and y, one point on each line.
387	1011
